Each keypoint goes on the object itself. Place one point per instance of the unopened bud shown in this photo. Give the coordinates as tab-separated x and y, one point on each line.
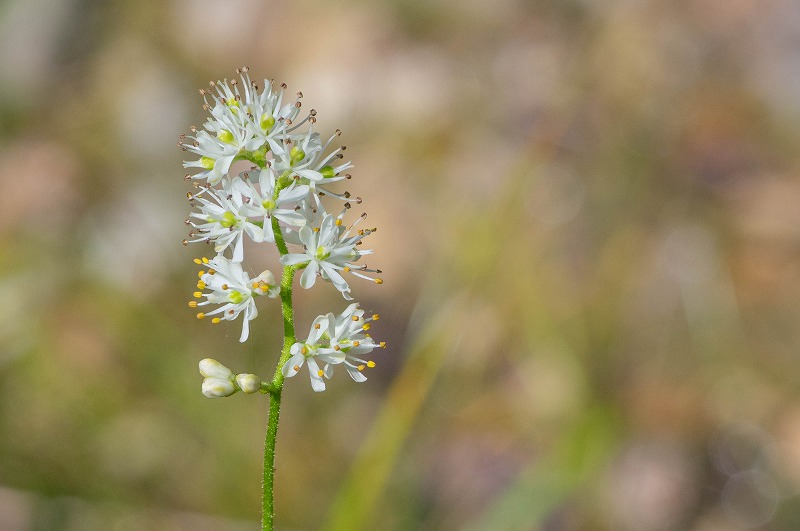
211	368
217	387
248	383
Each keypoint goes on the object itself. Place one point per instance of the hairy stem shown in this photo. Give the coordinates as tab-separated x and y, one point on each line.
275	388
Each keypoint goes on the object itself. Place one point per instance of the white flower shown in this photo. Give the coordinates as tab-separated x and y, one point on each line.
222	221
228	285
262	203
333	341
305	159
329	249
242	123
308	351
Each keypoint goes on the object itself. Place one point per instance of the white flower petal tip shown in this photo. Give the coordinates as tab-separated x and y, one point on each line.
218	388
248	383
211	368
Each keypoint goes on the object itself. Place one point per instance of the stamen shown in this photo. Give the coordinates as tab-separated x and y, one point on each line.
370	364
197	295
320	373
382	344
216	320
201	315
375	317
192	304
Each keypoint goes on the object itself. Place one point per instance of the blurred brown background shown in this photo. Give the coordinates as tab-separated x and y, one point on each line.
589	223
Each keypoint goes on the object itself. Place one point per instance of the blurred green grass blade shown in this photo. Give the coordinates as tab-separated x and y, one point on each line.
356	500
540	489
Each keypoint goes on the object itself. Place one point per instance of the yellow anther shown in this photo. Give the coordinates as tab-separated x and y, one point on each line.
201	284
370	364
360	367
366	326
255	285
337	348
375	317
320	373
205	260
224	287
382	344
316	229
304	351
197	294
192	304
355	318
346	269
200	273
296	367
338	222
197	261
201	315
316	326
356	343
211	271
378	281
216	320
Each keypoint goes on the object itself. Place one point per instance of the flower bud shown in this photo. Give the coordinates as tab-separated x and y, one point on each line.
217	387
248	383
211	368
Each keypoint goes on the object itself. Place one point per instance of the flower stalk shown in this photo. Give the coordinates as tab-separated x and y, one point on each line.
278	201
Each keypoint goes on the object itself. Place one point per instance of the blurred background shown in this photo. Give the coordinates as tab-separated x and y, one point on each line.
589	224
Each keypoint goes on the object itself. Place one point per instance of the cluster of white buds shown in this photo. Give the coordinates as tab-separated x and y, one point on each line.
220	381
279	201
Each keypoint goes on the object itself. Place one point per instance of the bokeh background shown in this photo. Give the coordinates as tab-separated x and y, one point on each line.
589	224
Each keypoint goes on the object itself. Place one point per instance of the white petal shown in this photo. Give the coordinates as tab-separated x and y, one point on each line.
309	276
292	365
355	374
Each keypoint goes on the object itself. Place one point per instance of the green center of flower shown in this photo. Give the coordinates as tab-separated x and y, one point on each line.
268	204
328	172
232	102
296	155
267	121
321	253
235	297
228	220
207	163
225	136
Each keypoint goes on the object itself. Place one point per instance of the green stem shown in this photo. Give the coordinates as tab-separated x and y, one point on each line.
275	388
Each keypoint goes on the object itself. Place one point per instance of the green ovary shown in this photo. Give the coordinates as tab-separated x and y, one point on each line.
328	172
267	121
228	220
235	297
225	136
207	162
321	254
268	204
296	155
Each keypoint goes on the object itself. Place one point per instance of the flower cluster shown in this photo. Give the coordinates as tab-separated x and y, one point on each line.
277	198
341	340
